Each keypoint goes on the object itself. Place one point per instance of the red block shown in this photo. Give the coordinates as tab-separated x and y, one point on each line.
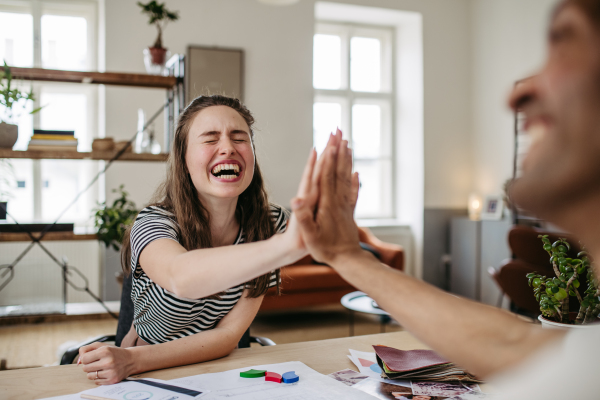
273	377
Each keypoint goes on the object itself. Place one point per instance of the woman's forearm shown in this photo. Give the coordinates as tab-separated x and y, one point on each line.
203	346
220	268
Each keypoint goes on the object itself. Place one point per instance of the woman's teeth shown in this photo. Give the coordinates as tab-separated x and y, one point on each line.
226	171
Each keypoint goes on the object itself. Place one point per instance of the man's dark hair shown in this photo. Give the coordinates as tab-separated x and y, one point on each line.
591	8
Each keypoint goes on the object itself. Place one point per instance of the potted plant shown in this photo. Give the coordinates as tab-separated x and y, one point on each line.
7	178
155	57
11	98
556	293
113	221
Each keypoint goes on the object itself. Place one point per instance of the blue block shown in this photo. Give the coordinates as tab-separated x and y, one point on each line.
290	377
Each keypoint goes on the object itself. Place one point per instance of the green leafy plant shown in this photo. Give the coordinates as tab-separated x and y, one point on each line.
113	221
159	16
11	96
554	294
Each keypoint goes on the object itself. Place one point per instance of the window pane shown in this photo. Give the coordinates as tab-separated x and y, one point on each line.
20	201
374	196
16	39
64	42
366	131
326	117
327	67
66	111
61	181
365	64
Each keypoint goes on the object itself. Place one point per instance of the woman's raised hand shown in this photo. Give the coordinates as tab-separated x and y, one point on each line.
308	190
328	229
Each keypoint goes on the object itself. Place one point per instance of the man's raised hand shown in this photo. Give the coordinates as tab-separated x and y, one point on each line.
330	230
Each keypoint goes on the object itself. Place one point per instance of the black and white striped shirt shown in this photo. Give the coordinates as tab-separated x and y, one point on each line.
161	316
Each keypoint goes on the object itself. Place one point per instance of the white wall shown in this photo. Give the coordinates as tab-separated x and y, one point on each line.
508	44
278	46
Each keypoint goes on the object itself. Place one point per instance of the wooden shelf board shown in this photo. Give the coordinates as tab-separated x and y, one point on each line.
75	155
23	237
106	78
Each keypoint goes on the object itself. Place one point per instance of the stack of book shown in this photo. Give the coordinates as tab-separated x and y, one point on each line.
43	140
424	365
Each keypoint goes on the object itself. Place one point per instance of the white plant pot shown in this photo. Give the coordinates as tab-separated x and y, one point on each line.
8	135
547	324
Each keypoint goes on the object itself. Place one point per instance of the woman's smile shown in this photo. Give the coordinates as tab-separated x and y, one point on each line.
227	171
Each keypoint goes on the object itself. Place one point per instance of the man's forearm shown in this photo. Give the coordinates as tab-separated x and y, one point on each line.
481	338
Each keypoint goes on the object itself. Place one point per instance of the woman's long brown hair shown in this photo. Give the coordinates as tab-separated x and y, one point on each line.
178	195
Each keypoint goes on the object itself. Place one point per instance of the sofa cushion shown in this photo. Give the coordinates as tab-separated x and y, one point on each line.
309	278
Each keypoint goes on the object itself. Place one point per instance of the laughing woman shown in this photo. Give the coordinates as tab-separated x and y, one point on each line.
204	253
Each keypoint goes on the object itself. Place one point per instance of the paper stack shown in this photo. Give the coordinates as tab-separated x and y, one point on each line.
424	365
53	140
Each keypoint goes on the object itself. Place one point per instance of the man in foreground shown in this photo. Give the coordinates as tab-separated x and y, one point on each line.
561	184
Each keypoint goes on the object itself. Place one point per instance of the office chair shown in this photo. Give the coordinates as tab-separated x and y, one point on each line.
125	321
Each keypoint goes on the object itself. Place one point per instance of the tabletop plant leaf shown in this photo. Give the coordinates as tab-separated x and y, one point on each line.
553	293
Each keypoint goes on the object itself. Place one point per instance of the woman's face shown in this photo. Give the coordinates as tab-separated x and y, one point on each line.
220	154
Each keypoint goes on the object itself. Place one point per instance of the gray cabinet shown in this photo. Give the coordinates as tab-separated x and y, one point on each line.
475	246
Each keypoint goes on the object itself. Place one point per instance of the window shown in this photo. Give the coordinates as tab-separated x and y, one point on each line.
352	80
54	35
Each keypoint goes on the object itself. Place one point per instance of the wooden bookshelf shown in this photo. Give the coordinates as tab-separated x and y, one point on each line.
105	78
23	237
75	155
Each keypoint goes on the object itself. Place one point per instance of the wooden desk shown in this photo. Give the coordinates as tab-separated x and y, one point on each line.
324	356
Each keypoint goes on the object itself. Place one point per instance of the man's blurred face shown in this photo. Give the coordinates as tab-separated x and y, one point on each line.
562	109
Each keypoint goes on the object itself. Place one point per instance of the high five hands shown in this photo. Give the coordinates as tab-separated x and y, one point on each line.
324	207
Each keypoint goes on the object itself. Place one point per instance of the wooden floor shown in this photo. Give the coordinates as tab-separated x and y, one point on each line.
34	345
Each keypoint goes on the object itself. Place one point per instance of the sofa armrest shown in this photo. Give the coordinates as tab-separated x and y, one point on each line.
391	254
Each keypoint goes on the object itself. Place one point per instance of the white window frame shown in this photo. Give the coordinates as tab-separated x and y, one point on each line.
88	9
347	97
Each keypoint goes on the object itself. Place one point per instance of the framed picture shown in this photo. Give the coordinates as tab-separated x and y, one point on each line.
492	208
214	70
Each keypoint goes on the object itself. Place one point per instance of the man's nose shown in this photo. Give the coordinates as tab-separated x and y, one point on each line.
523	93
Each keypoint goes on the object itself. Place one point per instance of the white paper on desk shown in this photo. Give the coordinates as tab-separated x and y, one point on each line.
133	390
312	385
65	397
363	360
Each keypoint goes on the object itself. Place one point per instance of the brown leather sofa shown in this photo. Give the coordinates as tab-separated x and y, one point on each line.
307	283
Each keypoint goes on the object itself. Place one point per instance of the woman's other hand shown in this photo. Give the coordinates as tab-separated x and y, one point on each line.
106	364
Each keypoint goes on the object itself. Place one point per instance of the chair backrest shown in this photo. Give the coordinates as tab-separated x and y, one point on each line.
126	312
126	316
528	256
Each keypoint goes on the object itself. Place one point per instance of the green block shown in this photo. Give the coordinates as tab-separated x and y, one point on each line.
253	373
